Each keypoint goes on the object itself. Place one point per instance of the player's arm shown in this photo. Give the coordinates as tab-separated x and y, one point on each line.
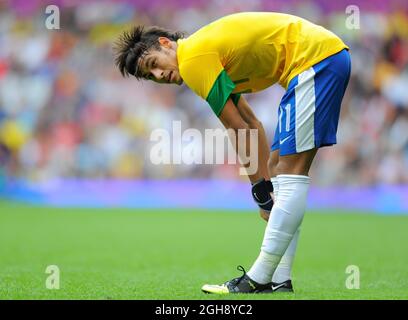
242	118
254	123
232	119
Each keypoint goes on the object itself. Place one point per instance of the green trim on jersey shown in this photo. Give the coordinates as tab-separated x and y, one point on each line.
235	98
220	92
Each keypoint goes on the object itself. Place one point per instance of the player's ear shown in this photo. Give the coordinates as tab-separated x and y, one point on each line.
165	42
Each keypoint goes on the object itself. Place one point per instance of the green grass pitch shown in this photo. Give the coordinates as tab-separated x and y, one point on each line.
169	254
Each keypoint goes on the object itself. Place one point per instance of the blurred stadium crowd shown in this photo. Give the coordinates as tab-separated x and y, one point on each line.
65	110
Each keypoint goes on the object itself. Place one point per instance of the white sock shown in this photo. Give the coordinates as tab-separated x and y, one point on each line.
285	219
284	268
283	271
260	270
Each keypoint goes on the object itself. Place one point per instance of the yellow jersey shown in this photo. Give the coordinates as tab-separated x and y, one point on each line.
250	51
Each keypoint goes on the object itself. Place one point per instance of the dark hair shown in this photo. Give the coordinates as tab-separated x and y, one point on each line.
133	44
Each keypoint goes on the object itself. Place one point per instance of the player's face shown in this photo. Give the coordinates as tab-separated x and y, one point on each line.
161	65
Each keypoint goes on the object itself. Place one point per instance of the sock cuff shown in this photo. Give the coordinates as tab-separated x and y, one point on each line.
293	178
275	183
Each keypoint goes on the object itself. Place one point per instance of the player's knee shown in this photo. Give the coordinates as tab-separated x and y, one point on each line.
298	164
286	166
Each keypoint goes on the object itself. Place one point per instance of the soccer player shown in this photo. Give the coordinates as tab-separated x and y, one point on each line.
245	53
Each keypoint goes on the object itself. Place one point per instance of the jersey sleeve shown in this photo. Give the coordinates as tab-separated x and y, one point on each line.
205	75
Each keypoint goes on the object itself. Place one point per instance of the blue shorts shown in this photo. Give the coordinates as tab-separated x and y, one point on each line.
310	109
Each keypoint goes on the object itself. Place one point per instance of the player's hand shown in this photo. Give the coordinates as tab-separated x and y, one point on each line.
264	214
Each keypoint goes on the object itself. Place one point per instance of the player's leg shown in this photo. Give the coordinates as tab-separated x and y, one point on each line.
292	184
285	219
283	274
266	263
286	215
282	277
308	119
